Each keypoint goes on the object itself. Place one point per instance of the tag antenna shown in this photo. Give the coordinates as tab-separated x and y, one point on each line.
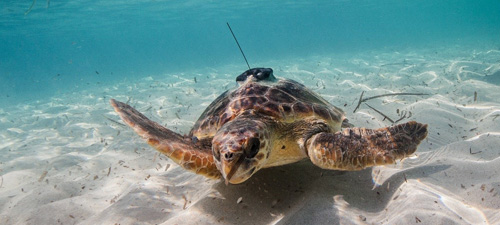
238	45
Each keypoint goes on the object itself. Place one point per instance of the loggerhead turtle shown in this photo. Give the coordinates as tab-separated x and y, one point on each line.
269	122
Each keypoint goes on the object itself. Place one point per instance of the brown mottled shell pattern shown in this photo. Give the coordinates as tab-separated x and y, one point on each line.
284	100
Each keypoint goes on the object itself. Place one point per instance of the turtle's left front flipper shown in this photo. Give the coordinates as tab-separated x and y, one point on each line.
192	155
357	148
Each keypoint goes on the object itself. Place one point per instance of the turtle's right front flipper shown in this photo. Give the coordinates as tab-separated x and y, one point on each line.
358	148
195	156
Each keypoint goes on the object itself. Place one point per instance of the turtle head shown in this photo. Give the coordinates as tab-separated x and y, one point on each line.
240	148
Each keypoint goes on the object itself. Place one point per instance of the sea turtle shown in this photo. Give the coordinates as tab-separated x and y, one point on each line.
269	122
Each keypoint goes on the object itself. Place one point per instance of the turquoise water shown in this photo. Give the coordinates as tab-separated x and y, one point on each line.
65	46
67	158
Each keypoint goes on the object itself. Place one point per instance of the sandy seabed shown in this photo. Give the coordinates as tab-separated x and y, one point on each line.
70	159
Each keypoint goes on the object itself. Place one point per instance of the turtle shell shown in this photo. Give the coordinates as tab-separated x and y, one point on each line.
282	100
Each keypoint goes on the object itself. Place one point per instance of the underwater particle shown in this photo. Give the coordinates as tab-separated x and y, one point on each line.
185	201
274	203
31	7
43	176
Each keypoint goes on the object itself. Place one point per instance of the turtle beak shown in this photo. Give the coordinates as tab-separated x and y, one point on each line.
229	169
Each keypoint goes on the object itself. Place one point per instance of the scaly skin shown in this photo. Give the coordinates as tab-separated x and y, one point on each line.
358	148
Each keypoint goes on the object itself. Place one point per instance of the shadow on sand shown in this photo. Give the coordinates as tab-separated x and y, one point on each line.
300	193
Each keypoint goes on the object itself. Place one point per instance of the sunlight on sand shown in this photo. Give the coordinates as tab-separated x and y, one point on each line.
72	160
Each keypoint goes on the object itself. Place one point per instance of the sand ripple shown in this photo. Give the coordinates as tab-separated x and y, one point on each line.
71	160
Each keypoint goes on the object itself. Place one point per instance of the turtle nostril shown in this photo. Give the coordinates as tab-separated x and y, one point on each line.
228	156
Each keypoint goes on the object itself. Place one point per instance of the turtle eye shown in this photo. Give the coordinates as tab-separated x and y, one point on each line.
252	148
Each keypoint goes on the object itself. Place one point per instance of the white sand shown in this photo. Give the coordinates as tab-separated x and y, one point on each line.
64	162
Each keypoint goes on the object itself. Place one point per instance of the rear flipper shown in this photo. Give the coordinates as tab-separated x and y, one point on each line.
357	148
194	156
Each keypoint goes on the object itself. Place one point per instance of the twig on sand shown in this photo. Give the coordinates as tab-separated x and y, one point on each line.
185	202
385	117
392	94
359	102
473	153
361	99
403	117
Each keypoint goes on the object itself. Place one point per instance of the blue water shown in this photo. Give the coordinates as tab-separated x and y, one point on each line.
66	46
